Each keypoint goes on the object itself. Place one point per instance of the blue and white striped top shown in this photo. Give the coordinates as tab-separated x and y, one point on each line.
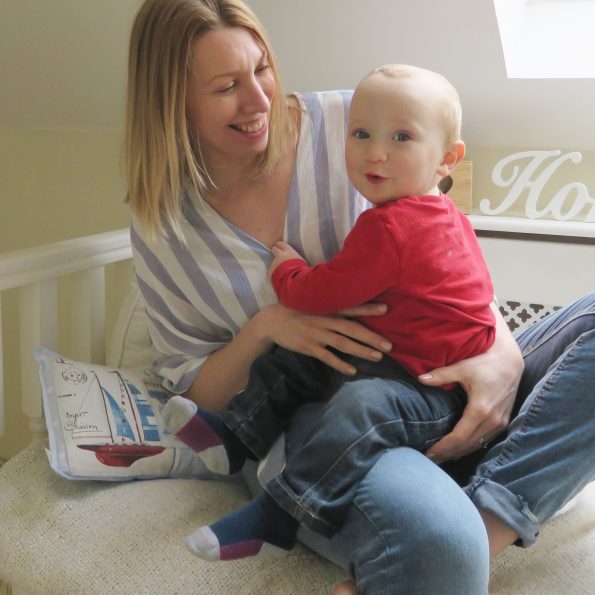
200	294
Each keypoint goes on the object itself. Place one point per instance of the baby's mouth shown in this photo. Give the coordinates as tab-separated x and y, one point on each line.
374	178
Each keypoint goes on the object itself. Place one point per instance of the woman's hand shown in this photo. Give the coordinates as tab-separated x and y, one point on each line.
226	371
491	381
313	335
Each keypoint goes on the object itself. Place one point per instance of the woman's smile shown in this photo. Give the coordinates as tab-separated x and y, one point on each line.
254	129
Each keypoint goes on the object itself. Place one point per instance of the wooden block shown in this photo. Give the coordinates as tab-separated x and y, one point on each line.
460	193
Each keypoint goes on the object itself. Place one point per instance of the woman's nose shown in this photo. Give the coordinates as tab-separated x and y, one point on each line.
255	98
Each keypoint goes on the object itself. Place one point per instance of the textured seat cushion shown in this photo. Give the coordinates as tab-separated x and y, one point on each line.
561	561
65	537
61	537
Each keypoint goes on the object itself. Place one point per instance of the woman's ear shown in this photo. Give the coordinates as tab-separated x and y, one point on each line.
451	158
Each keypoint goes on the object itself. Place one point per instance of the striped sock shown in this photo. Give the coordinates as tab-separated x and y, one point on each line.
261	528
206	434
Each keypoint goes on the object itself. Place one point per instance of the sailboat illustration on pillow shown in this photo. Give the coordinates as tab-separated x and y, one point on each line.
124	431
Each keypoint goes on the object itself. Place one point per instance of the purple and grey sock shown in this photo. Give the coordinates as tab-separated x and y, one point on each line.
206	434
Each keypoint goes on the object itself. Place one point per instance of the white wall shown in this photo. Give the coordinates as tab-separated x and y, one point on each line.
326	44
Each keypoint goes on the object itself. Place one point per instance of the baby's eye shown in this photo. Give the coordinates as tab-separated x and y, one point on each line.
401	137
360	134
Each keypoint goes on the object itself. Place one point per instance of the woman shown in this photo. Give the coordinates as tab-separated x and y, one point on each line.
220	166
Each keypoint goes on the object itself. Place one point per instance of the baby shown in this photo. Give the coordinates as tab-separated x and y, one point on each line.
413	251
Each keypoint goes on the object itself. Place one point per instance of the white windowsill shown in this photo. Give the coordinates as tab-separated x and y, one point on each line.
521	225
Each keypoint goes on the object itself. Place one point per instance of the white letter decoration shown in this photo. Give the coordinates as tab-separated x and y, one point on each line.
566	203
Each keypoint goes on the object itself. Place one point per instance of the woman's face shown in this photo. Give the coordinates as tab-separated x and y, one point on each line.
228	101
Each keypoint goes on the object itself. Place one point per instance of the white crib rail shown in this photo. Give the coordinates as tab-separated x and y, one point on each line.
35	272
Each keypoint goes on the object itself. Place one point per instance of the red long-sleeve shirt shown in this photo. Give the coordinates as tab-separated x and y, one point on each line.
420	257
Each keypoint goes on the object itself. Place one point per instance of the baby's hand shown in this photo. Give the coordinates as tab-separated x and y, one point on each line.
282	252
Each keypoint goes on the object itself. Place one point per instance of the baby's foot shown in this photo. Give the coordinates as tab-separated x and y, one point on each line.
261	528
206	434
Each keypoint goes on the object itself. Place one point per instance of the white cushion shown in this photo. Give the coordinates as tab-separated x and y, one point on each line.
130	345
61	536
105	423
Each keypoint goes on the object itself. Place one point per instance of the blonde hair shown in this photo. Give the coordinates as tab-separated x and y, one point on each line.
452	111
161	155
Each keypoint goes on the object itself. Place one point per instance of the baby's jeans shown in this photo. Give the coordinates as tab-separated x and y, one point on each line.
382	407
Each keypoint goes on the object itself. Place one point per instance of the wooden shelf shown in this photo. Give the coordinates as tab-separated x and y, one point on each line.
544	227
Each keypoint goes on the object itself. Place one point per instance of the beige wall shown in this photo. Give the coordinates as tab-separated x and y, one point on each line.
59	184
63	72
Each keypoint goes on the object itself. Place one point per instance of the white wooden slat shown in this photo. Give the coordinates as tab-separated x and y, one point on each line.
38	326
22	267
88	315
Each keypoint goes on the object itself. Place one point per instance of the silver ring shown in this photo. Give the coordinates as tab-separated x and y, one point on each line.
483	443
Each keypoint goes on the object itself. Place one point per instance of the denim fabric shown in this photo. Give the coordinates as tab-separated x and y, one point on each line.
411	529
548	455
365	417
381	407
280	382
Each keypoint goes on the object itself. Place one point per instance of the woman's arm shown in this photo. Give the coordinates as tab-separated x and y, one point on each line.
491	381
225	372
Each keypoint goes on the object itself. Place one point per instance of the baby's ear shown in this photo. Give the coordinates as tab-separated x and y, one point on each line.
451	158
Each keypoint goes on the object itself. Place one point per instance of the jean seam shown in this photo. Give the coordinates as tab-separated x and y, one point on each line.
382	540
299	510
312	492
546	338
243	429
320	488
262	401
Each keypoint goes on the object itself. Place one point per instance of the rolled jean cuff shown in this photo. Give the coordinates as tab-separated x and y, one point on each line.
508	507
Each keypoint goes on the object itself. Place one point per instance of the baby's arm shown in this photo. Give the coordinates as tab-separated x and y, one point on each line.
281	253
365	267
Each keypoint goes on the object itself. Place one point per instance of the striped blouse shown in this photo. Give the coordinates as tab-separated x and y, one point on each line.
199	294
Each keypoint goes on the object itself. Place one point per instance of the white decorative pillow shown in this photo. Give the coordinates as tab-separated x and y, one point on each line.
130	346
105	423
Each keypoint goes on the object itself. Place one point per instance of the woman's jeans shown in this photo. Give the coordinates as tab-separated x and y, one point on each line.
411	529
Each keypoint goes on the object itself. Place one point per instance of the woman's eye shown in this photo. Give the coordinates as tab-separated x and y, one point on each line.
263	67
226	88
360	134
401	137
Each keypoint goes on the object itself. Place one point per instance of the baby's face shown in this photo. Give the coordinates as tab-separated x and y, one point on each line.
396	138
